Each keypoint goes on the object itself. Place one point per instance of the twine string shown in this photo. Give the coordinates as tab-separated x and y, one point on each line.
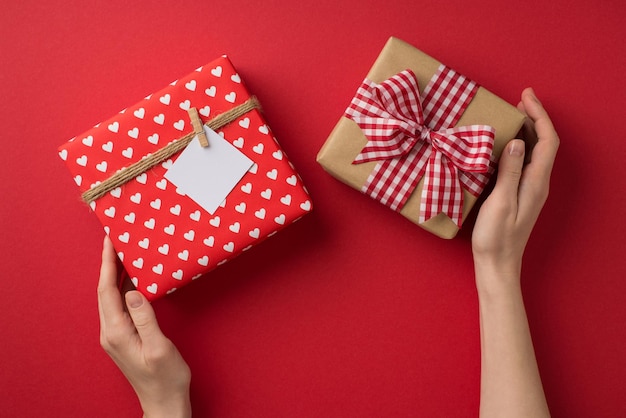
151	160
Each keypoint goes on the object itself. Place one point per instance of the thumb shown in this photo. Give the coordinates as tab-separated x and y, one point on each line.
143	317
510	170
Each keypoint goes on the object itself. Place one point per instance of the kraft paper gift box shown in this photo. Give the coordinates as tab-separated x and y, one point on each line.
485	111
169	222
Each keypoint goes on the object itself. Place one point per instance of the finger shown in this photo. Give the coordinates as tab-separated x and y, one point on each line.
547	145
536	178
509	173
126	286
109	298
143	317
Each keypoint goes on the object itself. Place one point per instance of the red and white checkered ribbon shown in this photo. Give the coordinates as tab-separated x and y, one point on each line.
414	137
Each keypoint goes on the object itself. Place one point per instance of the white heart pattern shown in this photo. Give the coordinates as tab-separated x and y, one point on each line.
125	237
180	125
138	263
272	174
175	210
247	188
260	213
306	206
266	194
140	113
159	119
258	148
195	215
217	71
154	226
153	139
286	200
244	123
165	99
241	208
164	249
102	166
238	142
82	161
169	230
161	184
205	111
292	180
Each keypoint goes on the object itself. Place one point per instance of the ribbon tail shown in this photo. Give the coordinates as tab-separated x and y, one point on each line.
442	192
392	181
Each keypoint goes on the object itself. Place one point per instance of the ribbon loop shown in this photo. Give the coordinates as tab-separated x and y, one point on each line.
413	136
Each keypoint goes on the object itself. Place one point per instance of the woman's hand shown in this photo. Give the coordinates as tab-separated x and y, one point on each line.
510	381
133	339
508	215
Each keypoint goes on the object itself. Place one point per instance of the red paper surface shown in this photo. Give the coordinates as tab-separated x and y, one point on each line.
165	239
350	312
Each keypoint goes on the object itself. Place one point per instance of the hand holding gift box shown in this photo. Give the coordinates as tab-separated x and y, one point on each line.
420	138
173	208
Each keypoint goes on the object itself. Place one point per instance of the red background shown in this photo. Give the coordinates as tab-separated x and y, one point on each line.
352	311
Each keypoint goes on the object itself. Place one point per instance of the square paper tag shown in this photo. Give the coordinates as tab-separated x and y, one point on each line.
207	175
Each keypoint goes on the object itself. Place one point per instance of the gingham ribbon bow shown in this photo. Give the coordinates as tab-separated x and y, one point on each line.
414	137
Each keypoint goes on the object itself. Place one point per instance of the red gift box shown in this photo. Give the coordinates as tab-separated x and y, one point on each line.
164	238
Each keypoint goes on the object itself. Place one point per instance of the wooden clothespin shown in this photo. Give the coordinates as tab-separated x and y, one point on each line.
198	127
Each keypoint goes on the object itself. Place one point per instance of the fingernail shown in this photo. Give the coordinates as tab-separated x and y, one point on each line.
134	299
516	149
534	95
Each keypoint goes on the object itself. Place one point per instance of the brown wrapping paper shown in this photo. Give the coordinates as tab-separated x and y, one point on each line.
346	140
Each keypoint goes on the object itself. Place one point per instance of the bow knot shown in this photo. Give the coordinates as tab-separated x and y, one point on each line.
425	135
414	137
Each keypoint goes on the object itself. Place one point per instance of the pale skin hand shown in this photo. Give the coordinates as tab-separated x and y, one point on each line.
510	381
133	339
